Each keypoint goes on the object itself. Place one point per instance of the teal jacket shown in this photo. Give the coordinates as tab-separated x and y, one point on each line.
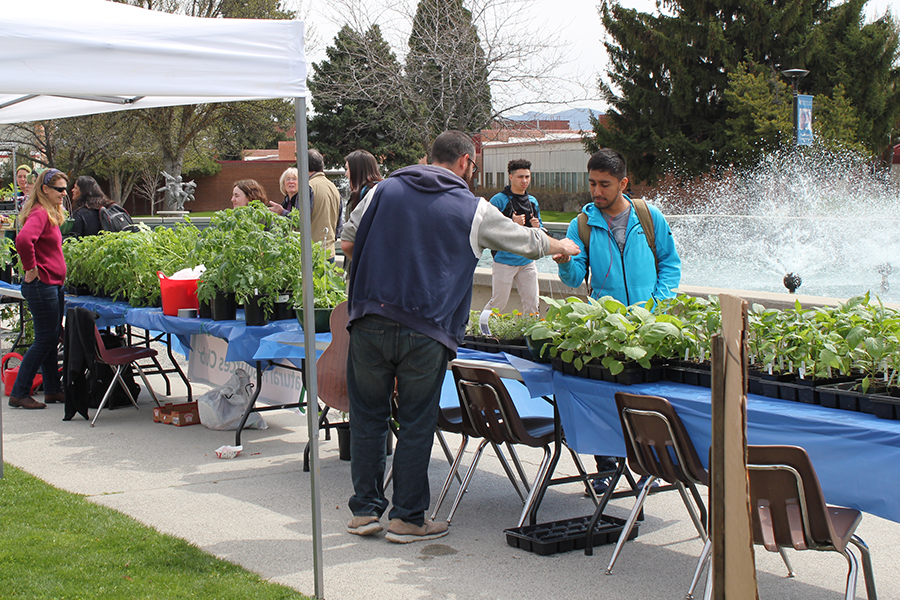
500	200
629	276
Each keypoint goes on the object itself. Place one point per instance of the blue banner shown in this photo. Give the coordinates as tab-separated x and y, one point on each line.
803	122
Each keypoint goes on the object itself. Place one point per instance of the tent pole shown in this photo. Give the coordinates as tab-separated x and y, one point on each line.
309	341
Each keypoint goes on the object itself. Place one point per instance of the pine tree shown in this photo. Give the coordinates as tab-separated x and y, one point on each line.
669	87
446	70
358	101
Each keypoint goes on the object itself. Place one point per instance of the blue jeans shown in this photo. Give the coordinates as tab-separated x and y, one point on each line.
46	303
382	350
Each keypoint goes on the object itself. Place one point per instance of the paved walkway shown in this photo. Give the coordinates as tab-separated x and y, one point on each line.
255	511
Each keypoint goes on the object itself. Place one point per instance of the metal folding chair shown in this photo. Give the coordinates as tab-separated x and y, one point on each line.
118	359
489	411
658	447
789	511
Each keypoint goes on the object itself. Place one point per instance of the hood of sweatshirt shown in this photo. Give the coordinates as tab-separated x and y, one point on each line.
430	179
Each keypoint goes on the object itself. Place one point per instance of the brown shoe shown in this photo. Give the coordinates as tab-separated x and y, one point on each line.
26	402
53	398
401	532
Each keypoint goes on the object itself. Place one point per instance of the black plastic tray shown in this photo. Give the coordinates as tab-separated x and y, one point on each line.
563	536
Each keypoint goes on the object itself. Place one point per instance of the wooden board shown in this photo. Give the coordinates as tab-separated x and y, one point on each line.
733	563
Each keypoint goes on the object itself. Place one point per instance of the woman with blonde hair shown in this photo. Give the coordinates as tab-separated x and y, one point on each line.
39	244
290	187
245	191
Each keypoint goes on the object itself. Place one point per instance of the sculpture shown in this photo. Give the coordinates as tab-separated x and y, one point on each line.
177	192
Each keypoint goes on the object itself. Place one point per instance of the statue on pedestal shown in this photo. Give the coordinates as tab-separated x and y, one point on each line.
177	192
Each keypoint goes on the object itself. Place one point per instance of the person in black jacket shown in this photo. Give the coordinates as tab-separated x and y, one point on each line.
88	199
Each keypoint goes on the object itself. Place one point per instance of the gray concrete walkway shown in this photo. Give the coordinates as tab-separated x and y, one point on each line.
255	511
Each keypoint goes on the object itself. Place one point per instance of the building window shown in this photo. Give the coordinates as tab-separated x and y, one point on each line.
488	180
500	181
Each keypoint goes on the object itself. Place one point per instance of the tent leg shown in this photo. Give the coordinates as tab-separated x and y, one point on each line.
309	339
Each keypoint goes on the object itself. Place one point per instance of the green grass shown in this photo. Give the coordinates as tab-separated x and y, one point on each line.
554	216
57	545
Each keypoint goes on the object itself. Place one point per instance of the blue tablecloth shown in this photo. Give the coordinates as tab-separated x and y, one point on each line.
243	340
857	456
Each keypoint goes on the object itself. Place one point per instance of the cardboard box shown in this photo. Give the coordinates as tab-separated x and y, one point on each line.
177	414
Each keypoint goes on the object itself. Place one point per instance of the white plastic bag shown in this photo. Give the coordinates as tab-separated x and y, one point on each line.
222	408
188	273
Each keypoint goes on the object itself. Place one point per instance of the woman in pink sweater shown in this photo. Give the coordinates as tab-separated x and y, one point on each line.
39	244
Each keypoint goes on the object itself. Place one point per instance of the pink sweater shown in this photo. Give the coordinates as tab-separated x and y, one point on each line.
39	243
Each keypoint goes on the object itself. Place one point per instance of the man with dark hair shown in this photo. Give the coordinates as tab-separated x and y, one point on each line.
621	261
410	294
326	204
515	202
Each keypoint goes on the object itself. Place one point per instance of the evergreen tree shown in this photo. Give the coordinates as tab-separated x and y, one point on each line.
681	103
358	101
446	70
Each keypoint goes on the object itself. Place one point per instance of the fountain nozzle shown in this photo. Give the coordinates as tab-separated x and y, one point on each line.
792	282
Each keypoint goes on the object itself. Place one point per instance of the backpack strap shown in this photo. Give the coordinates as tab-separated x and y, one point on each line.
584	232
643	214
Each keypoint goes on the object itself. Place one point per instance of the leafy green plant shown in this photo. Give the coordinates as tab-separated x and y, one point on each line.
607	332
503	326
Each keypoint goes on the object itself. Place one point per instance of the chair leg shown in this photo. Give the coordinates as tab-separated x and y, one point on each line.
509	474
583	474
518	464
450	458
118	378
866	566
851	574
466	480
629	524
146	384
698	524
707	593
787	561
454	470
536	487
106	396
704	558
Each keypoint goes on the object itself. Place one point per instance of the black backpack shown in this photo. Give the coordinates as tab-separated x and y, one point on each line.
115	218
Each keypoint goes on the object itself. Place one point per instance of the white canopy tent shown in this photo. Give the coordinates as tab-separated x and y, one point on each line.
64	58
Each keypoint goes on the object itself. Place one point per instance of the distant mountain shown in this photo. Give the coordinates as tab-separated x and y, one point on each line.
577	117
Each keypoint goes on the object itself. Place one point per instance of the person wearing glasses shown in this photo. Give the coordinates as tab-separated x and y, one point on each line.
39	244
516	203
408	307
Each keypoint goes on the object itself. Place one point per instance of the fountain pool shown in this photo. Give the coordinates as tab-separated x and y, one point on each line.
822	215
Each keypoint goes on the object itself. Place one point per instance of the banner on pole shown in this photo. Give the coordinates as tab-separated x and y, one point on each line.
804	120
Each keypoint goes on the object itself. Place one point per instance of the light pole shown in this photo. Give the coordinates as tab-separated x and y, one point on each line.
795	76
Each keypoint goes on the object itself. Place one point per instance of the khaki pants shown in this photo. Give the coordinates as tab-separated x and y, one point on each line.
526	280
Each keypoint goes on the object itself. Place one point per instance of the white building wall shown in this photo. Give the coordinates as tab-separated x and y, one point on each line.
558	164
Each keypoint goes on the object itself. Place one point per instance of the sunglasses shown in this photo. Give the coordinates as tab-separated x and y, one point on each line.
61	190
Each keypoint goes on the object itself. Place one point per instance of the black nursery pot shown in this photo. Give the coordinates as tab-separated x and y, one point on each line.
254	313
282	309
205	309
223	307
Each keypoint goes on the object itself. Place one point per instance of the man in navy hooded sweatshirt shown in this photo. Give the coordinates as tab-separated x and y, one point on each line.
410	294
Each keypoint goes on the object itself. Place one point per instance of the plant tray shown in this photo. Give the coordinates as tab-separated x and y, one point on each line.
886	406
493	345
631	375
843	396
567	535
688	375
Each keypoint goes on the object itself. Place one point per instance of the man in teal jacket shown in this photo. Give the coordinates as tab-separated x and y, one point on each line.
621	261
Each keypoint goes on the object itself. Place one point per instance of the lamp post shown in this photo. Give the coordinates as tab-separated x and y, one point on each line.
795	75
